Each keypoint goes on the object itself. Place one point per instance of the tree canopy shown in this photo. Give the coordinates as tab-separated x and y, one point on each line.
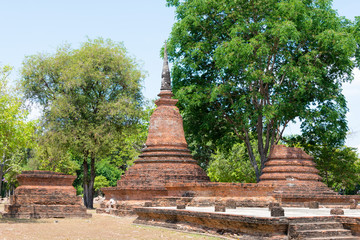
16	133
91	99
244	69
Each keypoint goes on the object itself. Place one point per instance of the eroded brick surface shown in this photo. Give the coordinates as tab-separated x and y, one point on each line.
45	194
214	222
288	165
292	174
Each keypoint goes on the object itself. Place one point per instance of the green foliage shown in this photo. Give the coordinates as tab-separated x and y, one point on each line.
109	171
100	182
15	131
232	166
247	68
114	165
46	156
340	167
91	99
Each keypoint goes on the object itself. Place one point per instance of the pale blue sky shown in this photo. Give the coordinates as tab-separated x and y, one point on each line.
29	27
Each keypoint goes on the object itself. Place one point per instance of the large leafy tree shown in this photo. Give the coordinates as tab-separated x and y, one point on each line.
232	165
245	69
90	96
15	131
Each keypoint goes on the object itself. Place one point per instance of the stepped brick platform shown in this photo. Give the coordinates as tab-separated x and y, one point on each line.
45	194
252	227
219	189
166	172
166	158
290	177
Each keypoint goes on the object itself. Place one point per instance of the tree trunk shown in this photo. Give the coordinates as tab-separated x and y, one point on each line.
261	150
88	183
251	155
1	176
0	184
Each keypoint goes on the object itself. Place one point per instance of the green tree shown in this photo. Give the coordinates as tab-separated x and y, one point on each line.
250	67
90	97
45	155
15	131
126	151
231	166
100	182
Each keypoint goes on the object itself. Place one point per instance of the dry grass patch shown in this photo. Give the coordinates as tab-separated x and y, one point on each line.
98	227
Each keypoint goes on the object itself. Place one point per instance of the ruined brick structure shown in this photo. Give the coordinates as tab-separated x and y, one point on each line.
252	227
45	194
165	159
166	171
290	165
289	177
290	169
295	179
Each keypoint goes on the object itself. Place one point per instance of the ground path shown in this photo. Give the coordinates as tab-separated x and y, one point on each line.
98	227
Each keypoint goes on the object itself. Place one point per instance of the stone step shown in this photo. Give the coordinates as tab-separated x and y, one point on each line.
302	189
316	226
315	219
337	238
122	212
304	192
304	195
309	234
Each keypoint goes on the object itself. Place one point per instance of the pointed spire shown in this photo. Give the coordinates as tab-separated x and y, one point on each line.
165	76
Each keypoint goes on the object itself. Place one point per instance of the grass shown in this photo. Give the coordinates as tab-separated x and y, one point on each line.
100	226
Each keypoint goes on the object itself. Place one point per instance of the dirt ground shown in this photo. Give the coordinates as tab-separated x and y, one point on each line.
98	227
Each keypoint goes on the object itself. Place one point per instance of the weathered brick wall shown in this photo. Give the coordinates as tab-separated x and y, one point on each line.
225	223
44	194
287	164
216	189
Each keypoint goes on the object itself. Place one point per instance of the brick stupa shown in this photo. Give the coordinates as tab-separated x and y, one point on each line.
294	176
290	165
166	157
45	194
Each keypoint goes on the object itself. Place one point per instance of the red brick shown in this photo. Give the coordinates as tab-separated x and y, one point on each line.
44	194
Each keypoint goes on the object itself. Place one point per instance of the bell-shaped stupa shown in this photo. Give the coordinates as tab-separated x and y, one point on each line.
292	171
289	164
166	157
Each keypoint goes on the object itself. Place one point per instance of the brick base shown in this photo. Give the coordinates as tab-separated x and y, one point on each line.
44	194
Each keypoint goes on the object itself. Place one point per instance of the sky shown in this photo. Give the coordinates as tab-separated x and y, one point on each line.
40	26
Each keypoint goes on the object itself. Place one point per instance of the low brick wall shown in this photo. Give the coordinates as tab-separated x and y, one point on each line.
297	200
214	222
216	189
121	194
351	223
218	222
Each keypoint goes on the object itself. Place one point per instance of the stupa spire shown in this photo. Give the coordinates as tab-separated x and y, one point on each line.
166	158
165	75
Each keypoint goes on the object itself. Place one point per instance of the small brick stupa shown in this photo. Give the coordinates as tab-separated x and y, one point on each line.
165	159
290	165
45	194
293	174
